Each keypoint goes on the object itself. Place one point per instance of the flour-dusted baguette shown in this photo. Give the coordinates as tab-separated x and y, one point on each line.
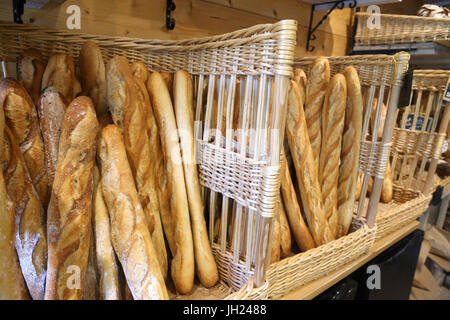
60	73
51	109
302	82
93	76
108	271
351	140
285	238
130	237
206	268
12	284
30	69
306	168
300	230
31	240
21	118
182	270
315	93
69	212
129	111
333	117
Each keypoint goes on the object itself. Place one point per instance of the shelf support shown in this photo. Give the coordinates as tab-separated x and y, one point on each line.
170	22
18	10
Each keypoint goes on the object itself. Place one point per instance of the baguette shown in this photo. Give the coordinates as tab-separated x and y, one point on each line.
302	82
31	240
168	79
183	103
109	288
182	270
300	231
333	117
30	69
129	112
92	75
69	213
21	118
276	236
139	71
51	109
285	241
12	284
386	188
130	237
306	168
60	73
351	140
315	94
383	113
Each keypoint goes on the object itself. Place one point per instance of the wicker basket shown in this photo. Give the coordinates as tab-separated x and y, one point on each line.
382	75
400	29
260	59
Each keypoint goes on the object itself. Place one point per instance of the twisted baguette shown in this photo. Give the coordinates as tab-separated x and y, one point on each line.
351	140
69	213
333	116
130	237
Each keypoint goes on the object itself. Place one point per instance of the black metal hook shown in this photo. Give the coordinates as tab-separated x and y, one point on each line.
353	4
18	10
170	22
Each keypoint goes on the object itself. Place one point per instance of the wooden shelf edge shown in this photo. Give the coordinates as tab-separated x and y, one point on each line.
314	288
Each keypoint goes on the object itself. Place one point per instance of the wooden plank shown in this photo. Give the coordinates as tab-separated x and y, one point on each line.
143	19
318	286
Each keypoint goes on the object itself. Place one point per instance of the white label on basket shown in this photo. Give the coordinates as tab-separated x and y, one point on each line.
74	20
374	21
374	280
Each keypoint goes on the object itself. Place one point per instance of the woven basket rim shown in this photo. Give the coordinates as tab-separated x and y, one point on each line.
404	16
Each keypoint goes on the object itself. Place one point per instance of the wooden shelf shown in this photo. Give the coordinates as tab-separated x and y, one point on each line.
318	286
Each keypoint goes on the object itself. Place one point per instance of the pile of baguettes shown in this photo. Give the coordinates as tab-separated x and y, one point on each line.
320	178
95	179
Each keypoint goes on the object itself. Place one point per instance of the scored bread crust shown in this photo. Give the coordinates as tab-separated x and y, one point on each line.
351	140
69	212
21	117
302	82
30	69
130	237
286	239
333	116
182	270
306	168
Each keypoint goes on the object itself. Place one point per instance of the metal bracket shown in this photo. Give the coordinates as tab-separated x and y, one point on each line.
336	5
170	22
18	10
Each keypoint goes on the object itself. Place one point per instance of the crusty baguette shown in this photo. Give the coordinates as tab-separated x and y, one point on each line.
12	284
51	109
168	79
109	288
69	212
182	270
383	113
21	118
351	140
140	71
206	267
333	118
299	228
386	188
60	73
286	240
358	187
276	236
31	240
30	69
129	112
130	237
302	82
306	168
315	93
93	76
91	286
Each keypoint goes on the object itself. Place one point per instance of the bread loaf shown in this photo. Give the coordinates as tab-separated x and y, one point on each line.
168	79
130	111
69	212
140	71
12	284
386	188
333	116
285	238
276	237
51	109
301	233
306	168
315	93
109	288
383	113
182	270
30	69
92	75
21	118
206	268
351	140
60	73
130	237
302	82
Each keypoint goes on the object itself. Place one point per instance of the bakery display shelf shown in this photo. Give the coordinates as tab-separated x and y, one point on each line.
316	287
